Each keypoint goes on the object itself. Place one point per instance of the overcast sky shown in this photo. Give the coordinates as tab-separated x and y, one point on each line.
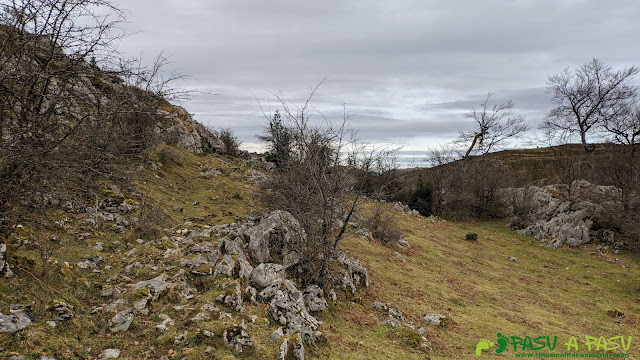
407	71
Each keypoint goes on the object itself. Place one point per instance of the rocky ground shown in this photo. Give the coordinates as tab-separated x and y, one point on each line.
213	279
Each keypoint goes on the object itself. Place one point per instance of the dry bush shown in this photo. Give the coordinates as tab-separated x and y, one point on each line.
382	224
314	179
230	140
468	188
152	219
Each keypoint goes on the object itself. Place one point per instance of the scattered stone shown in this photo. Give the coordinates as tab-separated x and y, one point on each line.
62	311
53	324
237	337
178	209
365	233
90	262
180	338
209	307
277	334
201	317
156	286
115	305
166	322
435	319
99	246
394	316
213	172
4	265
21	317
109	354
224	315
121	321
511	258
399	256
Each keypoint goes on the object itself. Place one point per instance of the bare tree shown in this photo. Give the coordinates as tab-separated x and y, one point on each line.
495	125
316	177
588	98
65	122
625	128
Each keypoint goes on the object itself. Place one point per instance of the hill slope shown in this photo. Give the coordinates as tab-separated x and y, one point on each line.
545	292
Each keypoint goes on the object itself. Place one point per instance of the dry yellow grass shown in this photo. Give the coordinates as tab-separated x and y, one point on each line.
562	293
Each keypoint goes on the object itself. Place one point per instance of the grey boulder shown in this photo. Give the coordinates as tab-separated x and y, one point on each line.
266	274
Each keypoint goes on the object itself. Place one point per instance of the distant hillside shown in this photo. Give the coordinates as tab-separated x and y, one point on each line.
525	166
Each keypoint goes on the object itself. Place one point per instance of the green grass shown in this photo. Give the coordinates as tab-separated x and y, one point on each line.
563	293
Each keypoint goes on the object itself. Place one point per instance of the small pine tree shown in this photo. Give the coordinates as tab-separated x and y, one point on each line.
279	142
422	198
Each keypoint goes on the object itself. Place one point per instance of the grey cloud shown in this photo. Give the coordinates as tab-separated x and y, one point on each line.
408	68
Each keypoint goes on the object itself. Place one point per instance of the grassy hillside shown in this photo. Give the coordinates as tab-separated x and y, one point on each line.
562	293
525	166
545	292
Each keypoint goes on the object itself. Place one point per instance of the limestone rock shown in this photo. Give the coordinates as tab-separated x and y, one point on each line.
394	316
292	348
287	309
4	265
21	317
62	311
561	214
314	298
121	321
185	132
354	275
156	286
267	274
237	337
435	319
109	354
277	238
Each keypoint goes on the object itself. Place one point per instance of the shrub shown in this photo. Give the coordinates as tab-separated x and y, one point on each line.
422	198
471	236
230	141
382	225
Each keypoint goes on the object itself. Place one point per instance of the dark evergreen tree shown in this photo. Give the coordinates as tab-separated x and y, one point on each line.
422	198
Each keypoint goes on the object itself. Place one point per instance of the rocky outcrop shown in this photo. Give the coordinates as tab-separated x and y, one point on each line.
287	308
277	238
237	337
314	298
267	274
292	348
353	274
560	214
182	130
